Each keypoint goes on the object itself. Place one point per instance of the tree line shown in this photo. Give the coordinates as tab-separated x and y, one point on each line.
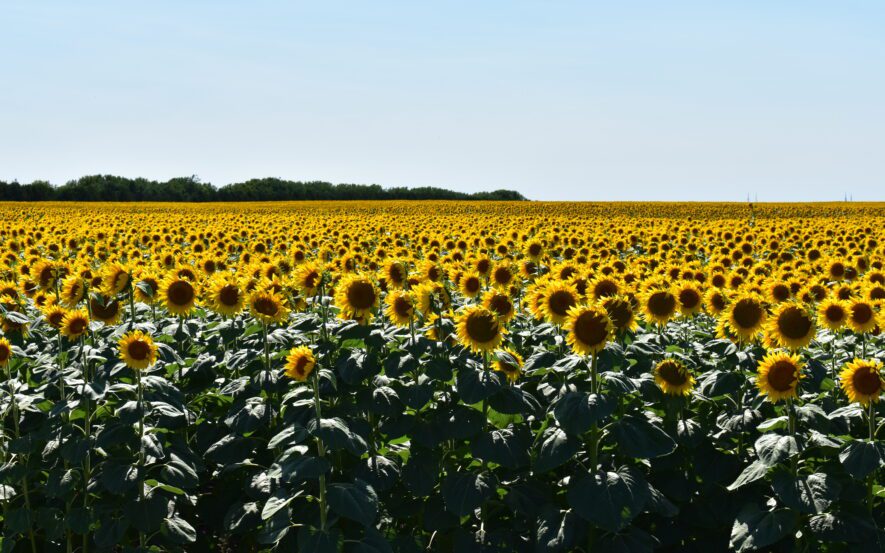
110	188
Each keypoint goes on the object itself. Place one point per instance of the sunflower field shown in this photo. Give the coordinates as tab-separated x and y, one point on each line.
442	376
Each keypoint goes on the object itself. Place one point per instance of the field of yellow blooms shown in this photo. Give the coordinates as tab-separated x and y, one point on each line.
375	377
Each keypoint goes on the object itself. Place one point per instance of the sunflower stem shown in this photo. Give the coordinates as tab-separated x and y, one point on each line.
24	481
140	469
321	450
871	418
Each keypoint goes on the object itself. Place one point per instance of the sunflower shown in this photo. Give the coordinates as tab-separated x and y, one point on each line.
356	296
620	311
300	363
307	278
177	294
715	301
54	315
104	309
559	297
225	295
147	289
470	285
659	304
690	299
778	375
832	313
500	303
508	362
862	380
117	277
478	328
861	316
5	351
745	316
534	249
603	287
75	324
137	350
72	291
502	275
432	295
673	378
267	306
400	307
589	328
395	273
790	326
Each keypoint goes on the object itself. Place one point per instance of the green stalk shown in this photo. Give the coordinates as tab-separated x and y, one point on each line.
593	443
87	428
871	418
140	479
267	400
25	490
321	450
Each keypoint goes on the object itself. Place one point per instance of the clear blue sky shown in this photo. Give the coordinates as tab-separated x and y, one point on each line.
583	100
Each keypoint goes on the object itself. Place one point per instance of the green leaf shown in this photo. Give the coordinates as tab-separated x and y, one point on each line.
274	503
754	528
464	492
555	530
775	448
118	478
754	471
318	541
609	500
813	494
475	386
576	412
241	517
357	501
337	435
843	527
178	530
507	447
303	467
639	438
861	458
556	448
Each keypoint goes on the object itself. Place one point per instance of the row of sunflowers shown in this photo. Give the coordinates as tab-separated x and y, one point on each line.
495	377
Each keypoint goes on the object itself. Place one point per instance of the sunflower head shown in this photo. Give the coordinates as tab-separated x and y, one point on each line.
862	380
300	362
745	316
559	297
117	277
659	304
470	285
54	315
499	302
509	363
308	277
72	291
832	313
75	324
178	294
479	328
5	351
226	295
267	306
778	375
137	350
861	316
356	296
589	328
620	311
690	299
790	326
400	307
673	378
104	309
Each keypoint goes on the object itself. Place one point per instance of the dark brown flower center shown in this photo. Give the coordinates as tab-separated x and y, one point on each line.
661	303
861	313
673	373
229	295
503	275
689	298
402	306
780	292
104	311
139	350
5	353
482	327
619	312
747	313
265	306
361	295
501	305
794	323
866	381
471	284
834	313
77	326
560	302
781	375
180	293
590	328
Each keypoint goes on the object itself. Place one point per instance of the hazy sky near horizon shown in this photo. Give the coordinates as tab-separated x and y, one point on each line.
584	100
